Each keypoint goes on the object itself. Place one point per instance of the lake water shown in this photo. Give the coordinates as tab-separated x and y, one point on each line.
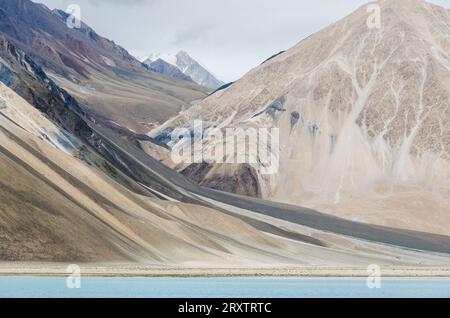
39	287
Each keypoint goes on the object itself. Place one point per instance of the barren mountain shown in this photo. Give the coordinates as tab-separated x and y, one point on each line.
362	113
55	207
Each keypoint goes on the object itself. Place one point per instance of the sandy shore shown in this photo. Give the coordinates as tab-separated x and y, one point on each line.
139	270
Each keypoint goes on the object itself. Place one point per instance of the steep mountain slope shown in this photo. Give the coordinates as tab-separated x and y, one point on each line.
55	207
115	87
362	114
185	64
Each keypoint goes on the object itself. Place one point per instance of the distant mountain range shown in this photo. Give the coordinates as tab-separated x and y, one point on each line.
182	66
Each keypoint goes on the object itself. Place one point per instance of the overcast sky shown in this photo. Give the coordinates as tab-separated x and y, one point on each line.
229	37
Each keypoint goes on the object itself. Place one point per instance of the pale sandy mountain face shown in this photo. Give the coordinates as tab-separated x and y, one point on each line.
363	115
114	87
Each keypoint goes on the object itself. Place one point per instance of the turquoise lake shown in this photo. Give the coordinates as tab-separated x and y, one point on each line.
42	287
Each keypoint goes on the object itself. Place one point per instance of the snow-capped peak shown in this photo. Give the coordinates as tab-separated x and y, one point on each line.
169	58
188	66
